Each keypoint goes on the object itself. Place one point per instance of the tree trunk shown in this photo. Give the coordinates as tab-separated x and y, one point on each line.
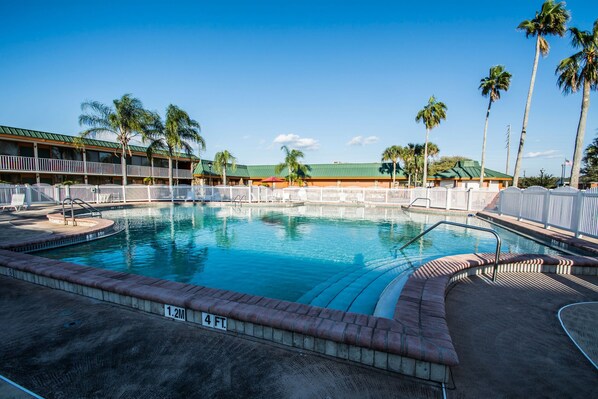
170	171
484	144
528	105
581	130
425	178
224	175
394	173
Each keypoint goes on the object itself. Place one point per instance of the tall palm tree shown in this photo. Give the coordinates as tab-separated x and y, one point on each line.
392	154
222	160
175	135
126	119
576	72
407	156
551	20
431	115
498	79
292	163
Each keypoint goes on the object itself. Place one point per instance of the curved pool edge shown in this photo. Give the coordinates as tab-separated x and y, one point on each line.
416	342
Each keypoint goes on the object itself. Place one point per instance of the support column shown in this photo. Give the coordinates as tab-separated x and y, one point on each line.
37	178
85	166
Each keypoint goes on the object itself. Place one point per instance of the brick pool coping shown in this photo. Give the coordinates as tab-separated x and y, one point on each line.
95	228
415	342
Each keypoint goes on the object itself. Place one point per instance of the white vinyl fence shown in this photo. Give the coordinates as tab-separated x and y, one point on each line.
566	208
437	197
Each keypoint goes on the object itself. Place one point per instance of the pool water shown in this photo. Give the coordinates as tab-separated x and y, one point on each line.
341	258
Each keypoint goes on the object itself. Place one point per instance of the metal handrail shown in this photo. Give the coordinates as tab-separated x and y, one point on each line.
239	199
467	226
419	198
84	205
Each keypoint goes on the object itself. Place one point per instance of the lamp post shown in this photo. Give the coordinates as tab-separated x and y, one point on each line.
210	167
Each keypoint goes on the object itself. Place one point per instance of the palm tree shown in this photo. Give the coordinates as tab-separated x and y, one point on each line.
407	156
498	79
175	136
222	159
431	115
576	72
393	153
126	119
291	162
551	20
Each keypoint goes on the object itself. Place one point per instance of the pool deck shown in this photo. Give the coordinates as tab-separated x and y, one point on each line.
417	342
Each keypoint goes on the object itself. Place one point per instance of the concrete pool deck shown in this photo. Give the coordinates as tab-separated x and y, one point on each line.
333	328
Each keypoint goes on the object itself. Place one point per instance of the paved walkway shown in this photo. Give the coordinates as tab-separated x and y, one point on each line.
510	341
62	345
581	322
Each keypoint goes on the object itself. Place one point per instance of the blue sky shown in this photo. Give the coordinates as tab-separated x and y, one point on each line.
340	80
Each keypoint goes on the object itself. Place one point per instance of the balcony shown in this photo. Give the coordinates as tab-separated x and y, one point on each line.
11	163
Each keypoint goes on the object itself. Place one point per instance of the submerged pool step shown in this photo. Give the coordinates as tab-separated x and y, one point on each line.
350	285
361	296
309	296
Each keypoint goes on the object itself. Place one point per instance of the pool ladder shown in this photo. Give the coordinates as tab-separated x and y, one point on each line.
467	226
91	211
428	204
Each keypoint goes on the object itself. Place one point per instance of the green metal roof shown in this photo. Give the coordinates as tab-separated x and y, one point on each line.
202	168
469	170
320	171
63	138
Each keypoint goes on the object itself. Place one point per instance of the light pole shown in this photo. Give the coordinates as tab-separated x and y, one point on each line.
563	173
210	166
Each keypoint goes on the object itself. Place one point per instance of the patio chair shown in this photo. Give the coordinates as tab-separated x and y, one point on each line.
17	201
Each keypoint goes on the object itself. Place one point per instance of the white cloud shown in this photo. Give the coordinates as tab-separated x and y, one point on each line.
360	140
295	141
544	154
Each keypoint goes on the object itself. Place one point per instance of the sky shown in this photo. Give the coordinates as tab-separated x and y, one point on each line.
339	80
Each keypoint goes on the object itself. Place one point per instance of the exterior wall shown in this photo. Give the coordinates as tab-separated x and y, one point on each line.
56	162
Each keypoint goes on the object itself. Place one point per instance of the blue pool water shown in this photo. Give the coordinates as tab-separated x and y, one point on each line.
341	258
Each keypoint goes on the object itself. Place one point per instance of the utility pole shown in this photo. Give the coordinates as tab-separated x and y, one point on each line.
508	147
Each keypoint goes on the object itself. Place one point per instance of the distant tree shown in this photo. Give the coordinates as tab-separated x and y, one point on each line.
498	79
175	135
590	162
296	169
445	163
412	161
580	71
543	180
431	115
393	154
551	20
126	119
222	161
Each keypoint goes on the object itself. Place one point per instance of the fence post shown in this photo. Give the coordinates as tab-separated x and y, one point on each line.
428	196
577	213
448	199
546	209
67	191
171	193
520	204
124	194
249	194
28	195
149	194
57	194
321	194
469	198
386	196
500	201
230	198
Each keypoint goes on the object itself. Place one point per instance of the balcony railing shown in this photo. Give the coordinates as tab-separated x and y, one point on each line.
11	163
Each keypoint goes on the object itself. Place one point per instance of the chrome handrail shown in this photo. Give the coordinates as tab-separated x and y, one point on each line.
419	198
467	226
83	204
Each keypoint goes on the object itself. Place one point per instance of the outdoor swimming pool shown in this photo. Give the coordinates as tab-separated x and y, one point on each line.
335	257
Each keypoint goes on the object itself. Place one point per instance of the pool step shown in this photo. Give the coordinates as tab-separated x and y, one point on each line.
354	281
344	292
309	296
